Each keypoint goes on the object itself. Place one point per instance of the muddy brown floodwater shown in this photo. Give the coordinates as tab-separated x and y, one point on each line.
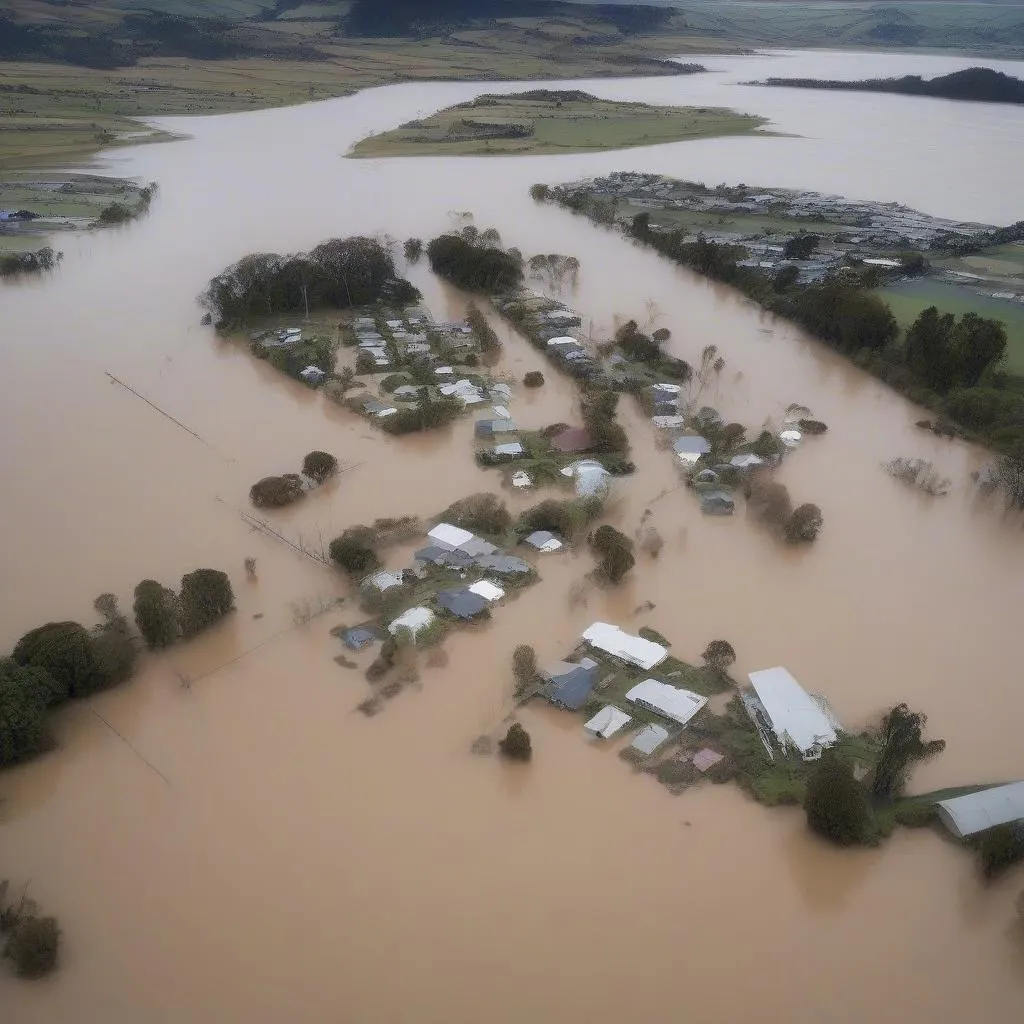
260	852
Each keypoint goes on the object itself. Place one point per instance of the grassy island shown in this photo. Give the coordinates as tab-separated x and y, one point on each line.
545	121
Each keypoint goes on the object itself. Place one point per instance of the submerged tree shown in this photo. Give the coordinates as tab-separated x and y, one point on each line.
524	667
835	804
804	524
32	945
65	651
616	551
516	744
719	655
319	465
24	694
206	596
900	745
157	614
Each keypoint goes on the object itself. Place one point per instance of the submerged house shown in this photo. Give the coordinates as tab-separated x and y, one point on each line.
543	540
491	428
381	581
592	479
672	702
412	619
690	447
649	739
798	719
568	684
975	812
503	565
462	602
633	650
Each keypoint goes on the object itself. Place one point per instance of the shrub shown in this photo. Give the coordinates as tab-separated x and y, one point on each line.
275	491
769	502
157	614
804	524
767	445
533	379
115	213
64	650
1000	848
319	466
206	596
413	249
524	668
353	551
719	655
616	551
565	518
428	414
835	804
516	744
114	649
483	513
662	334
539	193
24	693
32	945
812	426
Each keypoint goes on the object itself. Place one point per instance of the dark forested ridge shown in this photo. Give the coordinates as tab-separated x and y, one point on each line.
980	84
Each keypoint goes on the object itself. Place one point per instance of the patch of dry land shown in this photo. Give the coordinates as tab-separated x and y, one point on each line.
544	121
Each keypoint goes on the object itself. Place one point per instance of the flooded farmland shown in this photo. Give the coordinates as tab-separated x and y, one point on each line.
249	848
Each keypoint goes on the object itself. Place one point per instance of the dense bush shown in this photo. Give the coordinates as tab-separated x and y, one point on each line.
719	655
413	249
276	491
354	552
319	466
533	379
616	551
565	518
24	693
804	524
157	614
474	267
485	334
835	804
32	945
516	744
205	597
479	513
524	668
769	502
65	651
430	413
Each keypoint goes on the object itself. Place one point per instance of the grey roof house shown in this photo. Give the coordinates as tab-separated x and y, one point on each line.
717	503
502	564
462	602
568	684
357	638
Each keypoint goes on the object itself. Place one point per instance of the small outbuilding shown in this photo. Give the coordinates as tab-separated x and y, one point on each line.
690	447
487	590
413	619
382	581
607	722
357	638
649	739
543	540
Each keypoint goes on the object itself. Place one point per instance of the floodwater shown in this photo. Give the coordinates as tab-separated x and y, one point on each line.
248	848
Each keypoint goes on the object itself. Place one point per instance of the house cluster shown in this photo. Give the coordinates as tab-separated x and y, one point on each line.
547	324
655	707
456	574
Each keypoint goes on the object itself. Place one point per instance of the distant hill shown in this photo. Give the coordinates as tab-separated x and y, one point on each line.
980	84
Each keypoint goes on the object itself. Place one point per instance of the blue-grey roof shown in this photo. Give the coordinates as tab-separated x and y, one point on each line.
502	564
569	684
461	602
358	638
439	556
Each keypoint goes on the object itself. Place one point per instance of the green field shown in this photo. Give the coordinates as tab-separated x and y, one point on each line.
910	298
554	126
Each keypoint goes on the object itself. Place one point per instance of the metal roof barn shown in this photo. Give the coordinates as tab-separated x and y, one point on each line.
679	705
976	812
635	650
795	716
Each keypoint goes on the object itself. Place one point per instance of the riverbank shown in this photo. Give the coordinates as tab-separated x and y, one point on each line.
544	121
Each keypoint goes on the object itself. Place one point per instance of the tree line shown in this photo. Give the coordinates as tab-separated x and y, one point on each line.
63	661
339	273
473	262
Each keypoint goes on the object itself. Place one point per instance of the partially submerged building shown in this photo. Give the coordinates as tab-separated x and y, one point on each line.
690	447
544	541
462	602
797	718
649	739
412	619
664	699
568	684
634	650
607	722
975	812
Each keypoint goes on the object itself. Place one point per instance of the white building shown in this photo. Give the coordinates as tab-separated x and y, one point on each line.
635	650
670	701
796	718
976	812
607	722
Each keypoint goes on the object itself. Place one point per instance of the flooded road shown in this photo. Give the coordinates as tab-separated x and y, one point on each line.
260	850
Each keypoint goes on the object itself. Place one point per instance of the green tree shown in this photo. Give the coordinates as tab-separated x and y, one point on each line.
977	344
539	193
533	379
516	745
483	513
800	246
928	348
32	945
900	745
616	551
354	552
413	249
23	699
276	491
719	655
319	465
113	644
835	804
157	614
206	596
65	651
804	524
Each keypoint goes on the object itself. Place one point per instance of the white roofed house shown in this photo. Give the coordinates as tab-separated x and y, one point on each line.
671	701
633	650
797	718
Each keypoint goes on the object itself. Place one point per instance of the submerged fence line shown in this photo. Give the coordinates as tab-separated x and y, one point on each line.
153	405
128	743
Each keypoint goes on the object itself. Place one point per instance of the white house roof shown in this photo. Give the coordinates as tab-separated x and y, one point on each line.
679	705
543	540
636	650
413	619
608	721
511	448
521	479
791	438
794	714
450	537
563	340
745	459
975	812
487	590
668	389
